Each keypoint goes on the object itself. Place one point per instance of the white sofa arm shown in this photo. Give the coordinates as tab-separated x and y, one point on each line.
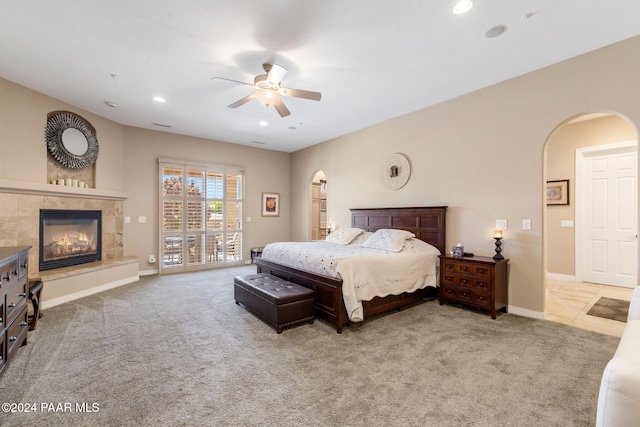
634	306
616	408
619	396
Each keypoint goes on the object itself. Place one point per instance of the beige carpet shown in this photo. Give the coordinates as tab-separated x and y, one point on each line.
177	351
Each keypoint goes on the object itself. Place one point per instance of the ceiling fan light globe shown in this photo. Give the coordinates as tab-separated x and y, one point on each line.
266	96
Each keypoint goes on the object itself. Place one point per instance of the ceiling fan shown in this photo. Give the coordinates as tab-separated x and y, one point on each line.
268	89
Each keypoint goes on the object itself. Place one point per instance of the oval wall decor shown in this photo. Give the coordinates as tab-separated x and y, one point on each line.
395	171
71	140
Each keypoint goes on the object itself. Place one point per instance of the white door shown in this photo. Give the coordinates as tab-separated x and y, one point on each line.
609	214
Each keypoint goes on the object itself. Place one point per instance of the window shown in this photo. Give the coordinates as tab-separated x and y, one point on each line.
201	209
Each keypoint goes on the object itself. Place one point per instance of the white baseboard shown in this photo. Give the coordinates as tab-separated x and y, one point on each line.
525	312
561	277
87	292
148	272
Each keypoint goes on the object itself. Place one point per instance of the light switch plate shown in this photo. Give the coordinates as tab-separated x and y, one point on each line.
501	224
526	224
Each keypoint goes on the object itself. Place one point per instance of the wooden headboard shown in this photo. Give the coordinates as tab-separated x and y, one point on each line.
427	223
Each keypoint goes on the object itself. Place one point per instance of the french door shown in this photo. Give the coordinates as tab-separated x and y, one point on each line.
201	208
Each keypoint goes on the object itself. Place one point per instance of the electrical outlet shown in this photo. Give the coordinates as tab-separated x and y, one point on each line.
526	224
127	219
142	219
501	224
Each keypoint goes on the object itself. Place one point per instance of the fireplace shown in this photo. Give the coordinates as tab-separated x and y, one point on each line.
69	237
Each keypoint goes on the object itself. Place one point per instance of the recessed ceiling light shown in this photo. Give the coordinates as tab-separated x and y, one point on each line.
496	31
463	6
263	123
159	99
110	104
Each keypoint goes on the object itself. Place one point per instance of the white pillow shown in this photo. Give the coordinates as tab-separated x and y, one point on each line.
388	239
343	236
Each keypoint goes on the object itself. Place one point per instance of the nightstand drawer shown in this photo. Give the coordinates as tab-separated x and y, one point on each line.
465	295
480	284
466	268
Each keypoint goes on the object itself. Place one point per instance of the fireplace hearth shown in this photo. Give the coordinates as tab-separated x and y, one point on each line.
69	237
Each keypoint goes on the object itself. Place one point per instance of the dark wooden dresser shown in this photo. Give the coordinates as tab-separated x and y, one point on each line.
475	281
14	288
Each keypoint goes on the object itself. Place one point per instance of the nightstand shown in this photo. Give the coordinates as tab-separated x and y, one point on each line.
475	281
255	253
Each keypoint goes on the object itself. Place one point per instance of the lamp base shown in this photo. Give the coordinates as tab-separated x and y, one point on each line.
498	256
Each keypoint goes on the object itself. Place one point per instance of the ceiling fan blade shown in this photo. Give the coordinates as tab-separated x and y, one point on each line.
222	79
281	108
242	101
275	74
299	93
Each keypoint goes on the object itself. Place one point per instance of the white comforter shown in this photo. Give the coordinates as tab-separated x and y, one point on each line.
366	273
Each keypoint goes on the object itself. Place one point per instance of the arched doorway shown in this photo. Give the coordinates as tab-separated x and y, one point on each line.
319	220
567	252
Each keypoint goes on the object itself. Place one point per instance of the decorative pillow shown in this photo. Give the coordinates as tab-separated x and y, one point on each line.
343	236
361	238
388	240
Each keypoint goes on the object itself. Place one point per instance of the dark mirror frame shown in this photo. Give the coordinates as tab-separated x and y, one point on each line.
57	123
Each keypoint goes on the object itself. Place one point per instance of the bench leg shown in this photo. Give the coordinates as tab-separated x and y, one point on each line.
35	300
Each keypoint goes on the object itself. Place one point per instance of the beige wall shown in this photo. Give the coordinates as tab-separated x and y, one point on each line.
265	170
128	163
23	117
561	161
481	154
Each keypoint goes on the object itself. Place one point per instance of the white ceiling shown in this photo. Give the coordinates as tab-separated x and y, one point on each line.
372	60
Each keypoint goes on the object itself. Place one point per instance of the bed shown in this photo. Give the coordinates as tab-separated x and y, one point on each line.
427	223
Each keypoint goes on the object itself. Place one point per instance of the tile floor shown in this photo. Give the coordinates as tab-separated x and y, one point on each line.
568	303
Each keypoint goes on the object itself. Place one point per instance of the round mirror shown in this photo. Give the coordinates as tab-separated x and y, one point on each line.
71	140
74	141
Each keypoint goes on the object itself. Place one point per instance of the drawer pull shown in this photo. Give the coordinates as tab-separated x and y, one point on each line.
15	272
12	339
481	298
23	323
22	294
25	265
13	304
0	319
481	270
465	281
449	291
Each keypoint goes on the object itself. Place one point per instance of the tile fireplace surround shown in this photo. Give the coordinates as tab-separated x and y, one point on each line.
19	217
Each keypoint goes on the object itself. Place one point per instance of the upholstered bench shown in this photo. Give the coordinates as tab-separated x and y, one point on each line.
277	301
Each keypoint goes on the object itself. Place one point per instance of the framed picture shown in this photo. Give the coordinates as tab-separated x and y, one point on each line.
270	204
558	192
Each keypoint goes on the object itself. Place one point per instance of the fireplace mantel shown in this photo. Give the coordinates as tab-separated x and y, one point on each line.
24	187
